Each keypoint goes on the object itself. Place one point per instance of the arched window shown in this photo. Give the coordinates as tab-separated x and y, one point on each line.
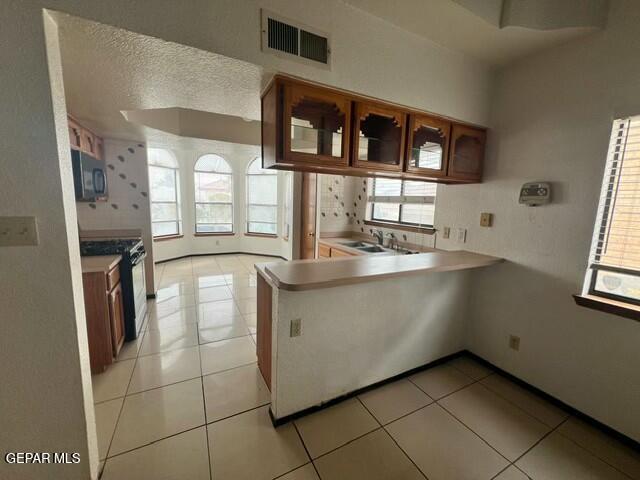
262	199
213	180
164	187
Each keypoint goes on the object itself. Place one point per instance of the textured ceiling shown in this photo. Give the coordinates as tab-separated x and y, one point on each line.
108	70
454	25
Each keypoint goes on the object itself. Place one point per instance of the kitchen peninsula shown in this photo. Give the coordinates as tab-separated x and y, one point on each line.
326	329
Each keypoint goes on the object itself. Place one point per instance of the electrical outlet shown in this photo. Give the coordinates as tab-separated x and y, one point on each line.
461	235
446	232
514	342
296	327
18	231
217	243
486	219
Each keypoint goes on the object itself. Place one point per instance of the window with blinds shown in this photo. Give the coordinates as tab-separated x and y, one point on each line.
615	253
403	202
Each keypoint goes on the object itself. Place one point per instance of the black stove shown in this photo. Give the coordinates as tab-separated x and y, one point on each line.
131	276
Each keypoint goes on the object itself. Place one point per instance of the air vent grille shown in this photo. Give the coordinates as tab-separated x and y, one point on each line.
282	37
313	47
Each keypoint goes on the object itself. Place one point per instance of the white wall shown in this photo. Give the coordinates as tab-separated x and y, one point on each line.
353	336
238	157
128	204
46	402
552	117
369	56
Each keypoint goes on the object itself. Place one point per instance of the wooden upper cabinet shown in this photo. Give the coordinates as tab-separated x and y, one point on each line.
84	140
466	153
87	142
74	134
378	139
99	150
316	126
317	129
428	146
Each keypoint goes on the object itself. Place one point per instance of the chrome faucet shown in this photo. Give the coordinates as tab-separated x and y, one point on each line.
393	241
379	235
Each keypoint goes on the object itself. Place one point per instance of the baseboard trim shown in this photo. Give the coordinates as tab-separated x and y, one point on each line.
294	416
214	254
628	441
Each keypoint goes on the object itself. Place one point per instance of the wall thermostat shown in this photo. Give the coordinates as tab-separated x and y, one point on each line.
535	193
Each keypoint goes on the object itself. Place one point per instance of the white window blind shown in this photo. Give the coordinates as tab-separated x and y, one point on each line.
403	202
213	179
615	253
262	199
164	188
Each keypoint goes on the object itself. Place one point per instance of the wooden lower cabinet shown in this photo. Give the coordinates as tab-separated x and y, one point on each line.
263	329
116	315
340	253
324	251
105	317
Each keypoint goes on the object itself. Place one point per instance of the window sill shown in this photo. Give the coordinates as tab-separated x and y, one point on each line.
399	226
213	234
167	237
263	235
614	307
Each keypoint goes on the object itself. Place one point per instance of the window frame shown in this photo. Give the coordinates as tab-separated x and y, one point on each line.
248	175
426	228
612	177
176	188
196	202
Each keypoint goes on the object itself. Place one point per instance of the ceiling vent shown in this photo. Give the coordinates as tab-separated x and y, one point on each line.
288	39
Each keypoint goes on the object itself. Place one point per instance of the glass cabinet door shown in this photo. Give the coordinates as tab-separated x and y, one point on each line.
316	126
379	137
428	146
467	153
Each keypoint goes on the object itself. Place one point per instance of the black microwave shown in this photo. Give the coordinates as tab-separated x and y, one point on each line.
89	177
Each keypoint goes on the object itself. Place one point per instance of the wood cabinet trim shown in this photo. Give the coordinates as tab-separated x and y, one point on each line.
415	122
457	131
361	111
293	93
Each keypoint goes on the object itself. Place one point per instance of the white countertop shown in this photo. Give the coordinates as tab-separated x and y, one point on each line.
301	275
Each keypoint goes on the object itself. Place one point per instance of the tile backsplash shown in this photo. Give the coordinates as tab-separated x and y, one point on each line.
343	207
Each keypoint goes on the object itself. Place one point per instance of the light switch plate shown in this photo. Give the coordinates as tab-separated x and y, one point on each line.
18	231
296	327
486	219
461	235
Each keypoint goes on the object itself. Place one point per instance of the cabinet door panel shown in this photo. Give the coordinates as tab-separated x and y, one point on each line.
87	142
428	146
467	153
379	134
74	134
316	126
116	314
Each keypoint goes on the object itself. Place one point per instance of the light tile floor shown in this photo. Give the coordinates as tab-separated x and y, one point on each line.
186	401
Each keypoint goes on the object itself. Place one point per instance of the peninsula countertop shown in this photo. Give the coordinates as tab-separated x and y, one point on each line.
99	263
302	275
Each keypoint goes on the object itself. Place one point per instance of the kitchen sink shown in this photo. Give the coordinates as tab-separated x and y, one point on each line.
354	244
372	249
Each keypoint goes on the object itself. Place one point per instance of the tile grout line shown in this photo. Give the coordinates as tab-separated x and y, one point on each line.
204	399
115	428
304	445
391	436
552	428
